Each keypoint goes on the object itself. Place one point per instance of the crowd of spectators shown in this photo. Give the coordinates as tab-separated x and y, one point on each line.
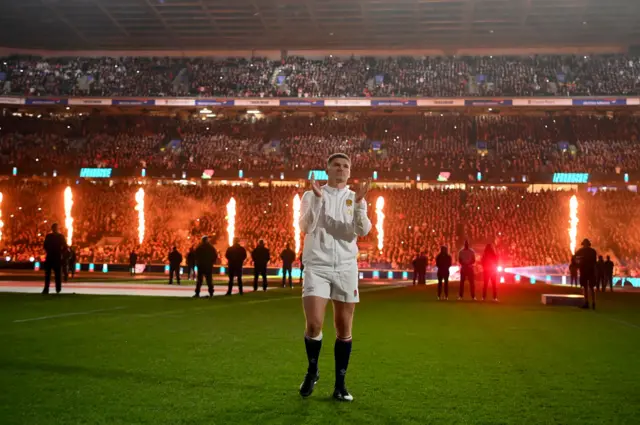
527	228
490	144
539	75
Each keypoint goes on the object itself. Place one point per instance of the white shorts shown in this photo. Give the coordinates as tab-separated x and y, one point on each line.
335	285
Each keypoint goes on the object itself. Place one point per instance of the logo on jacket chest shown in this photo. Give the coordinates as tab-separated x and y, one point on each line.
349	210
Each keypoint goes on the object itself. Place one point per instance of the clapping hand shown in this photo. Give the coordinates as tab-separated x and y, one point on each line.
317	190
361	190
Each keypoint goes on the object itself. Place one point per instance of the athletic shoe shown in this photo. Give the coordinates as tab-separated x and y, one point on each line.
306	388
341	394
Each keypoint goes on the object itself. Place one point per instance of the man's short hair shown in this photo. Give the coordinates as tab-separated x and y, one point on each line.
338	155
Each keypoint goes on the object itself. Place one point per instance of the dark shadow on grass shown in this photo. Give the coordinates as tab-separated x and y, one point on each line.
126	375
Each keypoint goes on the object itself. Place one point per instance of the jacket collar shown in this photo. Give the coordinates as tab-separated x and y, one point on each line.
334	190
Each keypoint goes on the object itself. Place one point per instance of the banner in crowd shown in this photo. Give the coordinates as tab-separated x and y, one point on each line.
298	102
11	101
175	102
134	102
600	102
214	102
488	102
543	102
301	102
347	102
256	102
440	102
95	173
394	102
45	101
571	177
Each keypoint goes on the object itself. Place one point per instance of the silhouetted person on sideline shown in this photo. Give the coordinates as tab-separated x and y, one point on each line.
206	257
191	263
260	257
600	273
54	245
586	258
420	269
608	274
443	264
236	254
301	267
175	259
467	258
573	271
490	271
73	259
288	256
133	259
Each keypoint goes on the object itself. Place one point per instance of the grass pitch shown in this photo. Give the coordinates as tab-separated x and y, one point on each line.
74	359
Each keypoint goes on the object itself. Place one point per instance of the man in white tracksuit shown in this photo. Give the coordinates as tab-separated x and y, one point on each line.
332	217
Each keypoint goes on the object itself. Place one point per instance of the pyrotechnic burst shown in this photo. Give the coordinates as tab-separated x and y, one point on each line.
231	220
296	221
380	222
68	219
573	221
140	209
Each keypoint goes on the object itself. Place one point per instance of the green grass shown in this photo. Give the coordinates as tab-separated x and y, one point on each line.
240	360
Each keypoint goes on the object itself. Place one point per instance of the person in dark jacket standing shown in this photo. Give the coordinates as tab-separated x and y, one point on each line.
54	245
573	271
133	259
66	255
608	274
586	258
301	267
260	257
467	258
73	259
175	259
600	271
443	264
490	271
191	264
206	256
236	255
420	269
288	257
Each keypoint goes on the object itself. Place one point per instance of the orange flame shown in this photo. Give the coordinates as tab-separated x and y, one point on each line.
296	221
380	222
68	220
573	220
231	219
140	209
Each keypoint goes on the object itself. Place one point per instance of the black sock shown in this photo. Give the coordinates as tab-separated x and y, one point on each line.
313	352
342	352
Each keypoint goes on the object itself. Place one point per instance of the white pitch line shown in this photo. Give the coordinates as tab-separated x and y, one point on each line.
623	322
67	315
215	305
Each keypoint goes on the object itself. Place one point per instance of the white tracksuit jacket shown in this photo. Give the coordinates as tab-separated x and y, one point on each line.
332	224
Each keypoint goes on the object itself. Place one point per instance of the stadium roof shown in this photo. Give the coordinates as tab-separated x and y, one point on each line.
315	24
